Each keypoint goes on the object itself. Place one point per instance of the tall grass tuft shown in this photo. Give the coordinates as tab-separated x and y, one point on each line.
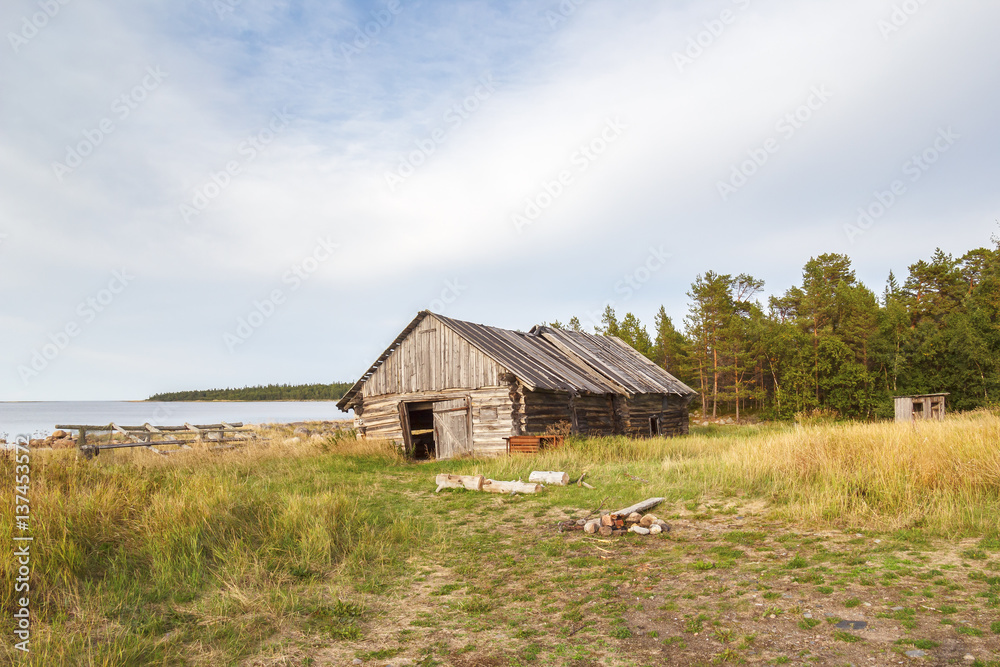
123	542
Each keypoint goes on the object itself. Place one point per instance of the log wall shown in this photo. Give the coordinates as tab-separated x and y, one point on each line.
544	409
675	420
590	414
640	409
594	415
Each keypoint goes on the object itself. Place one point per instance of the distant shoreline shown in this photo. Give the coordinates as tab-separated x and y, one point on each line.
271	392
236	400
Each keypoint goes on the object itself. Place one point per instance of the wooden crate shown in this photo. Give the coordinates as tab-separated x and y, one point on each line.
532	444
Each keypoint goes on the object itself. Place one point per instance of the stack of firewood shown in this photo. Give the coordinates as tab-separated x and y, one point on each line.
618	524
628	520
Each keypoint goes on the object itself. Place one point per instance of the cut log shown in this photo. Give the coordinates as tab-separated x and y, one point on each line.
644	506
470	482
493	486
549	477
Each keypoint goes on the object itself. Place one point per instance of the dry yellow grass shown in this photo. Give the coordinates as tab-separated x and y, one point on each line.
941	475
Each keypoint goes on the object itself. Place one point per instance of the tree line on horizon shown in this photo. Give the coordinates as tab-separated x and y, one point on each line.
271	392
831	344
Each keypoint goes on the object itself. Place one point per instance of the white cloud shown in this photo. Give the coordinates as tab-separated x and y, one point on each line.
555	89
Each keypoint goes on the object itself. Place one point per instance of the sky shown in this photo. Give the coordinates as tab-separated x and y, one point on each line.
213	193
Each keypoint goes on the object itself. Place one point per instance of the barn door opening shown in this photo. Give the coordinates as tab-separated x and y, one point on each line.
420	427
451	428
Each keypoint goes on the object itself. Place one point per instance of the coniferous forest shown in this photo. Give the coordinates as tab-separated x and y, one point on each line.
271	392
831	345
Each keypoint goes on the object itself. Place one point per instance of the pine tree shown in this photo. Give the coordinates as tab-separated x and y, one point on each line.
670	349
634	333
609	323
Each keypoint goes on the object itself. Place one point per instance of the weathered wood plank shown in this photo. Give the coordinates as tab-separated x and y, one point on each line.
641	507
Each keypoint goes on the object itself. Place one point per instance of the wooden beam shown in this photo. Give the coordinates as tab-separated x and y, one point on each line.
642	507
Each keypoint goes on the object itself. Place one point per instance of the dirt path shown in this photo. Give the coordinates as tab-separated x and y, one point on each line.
725	585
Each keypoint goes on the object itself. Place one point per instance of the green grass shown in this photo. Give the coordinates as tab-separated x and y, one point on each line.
261	555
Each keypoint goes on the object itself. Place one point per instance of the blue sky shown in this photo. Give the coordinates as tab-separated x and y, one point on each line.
219	193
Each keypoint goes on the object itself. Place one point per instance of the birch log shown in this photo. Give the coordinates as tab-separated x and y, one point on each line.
493	486
470	482
645	505
549	477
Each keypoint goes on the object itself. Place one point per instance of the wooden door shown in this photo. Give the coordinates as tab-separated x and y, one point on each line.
451	428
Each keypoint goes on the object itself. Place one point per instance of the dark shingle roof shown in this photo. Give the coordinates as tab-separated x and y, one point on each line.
552	359
617	360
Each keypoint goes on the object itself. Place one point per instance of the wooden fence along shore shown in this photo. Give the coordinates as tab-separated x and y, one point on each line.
222	436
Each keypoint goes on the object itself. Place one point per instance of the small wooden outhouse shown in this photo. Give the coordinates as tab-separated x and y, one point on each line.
920	406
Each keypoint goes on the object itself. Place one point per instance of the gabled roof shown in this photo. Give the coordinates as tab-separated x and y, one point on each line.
617	360
535	362
551	359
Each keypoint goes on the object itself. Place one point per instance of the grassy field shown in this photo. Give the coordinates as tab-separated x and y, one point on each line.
326	551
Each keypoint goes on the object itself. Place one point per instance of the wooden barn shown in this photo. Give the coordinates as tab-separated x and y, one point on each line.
447	388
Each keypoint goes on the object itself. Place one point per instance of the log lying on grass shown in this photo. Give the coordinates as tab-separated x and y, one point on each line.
549	477
493	486
470	482
641	508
